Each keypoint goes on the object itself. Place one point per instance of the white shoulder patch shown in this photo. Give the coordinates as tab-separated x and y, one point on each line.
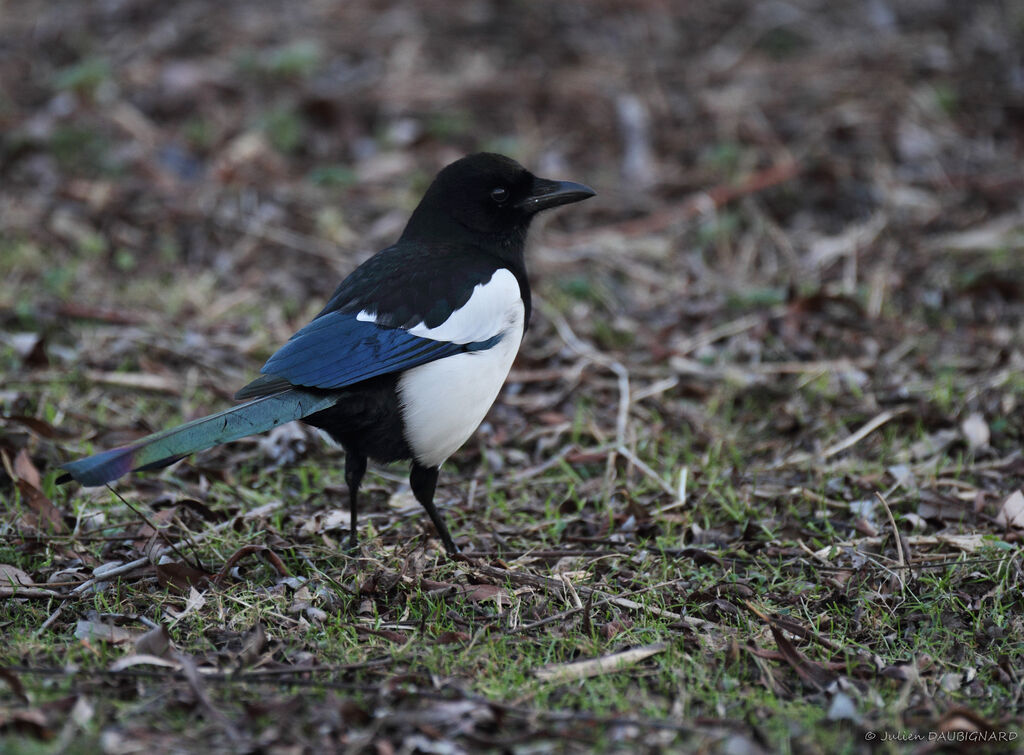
484	316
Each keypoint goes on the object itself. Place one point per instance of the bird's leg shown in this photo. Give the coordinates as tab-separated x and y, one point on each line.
423	481
355	468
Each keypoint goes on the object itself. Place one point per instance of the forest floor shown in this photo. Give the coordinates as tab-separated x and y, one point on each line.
755	481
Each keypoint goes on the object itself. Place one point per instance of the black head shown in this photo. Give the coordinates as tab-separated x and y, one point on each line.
486	197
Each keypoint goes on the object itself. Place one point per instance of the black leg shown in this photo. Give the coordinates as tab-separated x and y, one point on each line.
355	468
423	481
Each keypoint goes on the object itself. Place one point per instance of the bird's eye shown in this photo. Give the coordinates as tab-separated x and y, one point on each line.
499	195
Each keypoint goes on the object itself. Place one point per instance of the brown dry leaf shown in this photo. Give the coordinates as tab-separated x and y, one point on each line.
388	634
181	576
27	479
195	601
962	719
26	470
326	521
480	593
452	638
1011	513
30	723
15	577
14	683
39	427
613	628
31	347
156	642
47	516
810	671
87	629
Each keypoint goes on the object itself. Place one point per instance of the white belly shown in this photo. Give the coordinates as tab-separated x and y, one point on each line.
443	402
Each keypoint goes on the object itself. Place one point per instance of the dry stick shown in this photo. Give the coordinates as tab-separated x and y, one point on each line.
245	550
680	495
696	204
725	330
140	562
299	242
901	559
553	461
643	467
116	571
693	622
861	433
557	585
606	664
17	591
157	531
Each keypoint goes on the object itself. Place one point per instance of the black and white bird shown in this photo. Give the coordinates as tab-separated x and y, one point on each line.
411	350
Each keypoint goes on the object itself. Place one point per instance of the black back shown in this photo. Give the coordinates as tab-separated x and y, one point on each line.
467	225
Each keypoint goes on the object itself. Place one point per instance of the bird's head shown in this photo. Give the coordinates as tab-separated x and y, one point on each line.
487	197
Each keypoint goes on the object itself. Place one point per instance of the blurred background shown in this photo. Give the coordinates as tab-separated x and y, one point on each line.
779	182
776	360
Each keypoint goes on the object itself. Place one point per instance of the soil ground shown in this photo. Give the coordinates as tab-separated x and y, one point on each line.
753	485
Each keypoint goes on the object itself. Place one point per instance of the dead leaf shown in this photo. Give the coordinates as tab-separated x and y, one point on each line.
253	645
480	593
14	683
180	575
962	719
195	601
90	630
154	642
15	577
39	427
27	479
31	347
326	521
976	431
26	470
811	672
30	723
452	638
1011	513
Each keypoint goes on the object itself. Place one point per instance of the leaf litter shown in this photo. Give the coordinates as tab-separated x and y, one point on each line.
754	483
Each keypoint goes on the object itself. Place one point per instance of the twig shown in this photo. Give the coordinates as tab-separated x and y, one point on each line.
848	442
725	330
900	557
157	531
599	666
116	571
556	585
16	591
274	560
648	472
696	204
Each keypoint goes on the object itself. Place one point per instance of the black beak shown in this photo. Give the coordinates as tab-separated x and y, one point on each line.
546	194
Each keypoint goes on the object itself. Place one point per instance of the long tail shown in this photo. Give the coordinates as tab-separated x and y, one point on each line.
163	448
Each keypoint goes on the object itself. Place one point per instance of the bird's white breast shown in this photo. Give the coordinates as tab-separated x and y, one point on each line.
443	402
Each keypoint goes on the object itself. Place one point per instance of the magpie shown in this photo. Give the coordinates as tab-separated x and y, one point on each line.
410	351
